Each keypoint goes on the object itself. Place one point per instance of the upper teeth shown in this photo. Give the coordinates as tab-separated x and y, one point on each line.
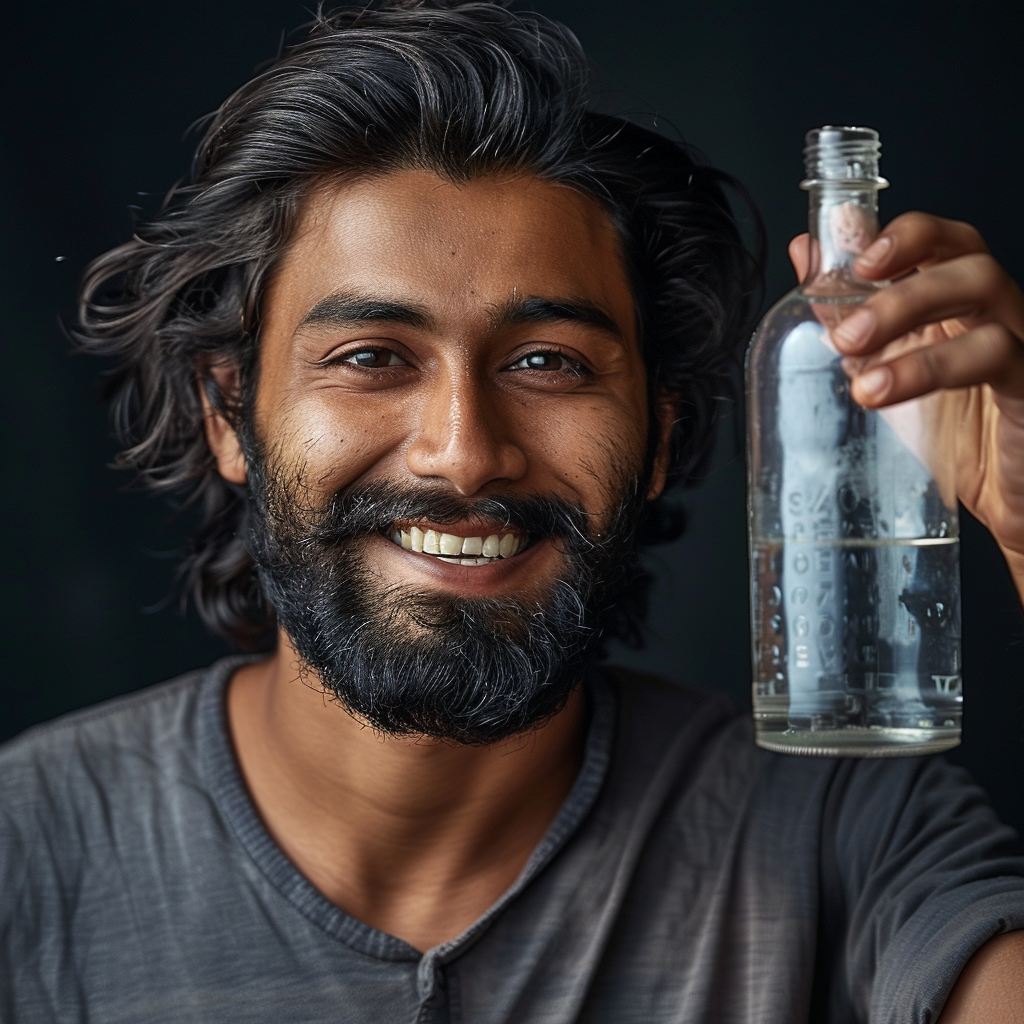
431	542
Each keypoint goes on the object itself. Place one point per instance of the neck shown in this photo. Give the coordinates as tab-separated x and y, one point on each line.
414	836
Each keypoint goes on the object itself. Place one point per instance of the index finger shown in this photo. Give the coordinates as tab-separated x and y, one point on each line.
915	240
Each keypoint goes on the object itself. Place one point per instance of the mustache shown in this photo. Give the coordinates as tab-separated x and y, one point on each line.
374	508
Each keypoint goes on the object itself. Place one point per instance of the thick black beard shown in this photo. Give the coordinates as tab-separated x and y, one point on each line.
470	670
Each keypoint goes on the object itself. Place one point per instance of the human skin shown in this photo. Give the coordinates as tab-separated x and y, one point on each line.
952	322
851	227
413	836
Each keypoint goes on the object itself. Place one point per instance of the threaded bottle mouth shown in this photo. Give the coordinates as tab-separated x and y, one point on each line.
842	156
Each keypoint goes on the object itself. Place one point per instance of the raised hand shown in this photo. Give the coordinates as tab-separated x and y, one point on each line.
953	321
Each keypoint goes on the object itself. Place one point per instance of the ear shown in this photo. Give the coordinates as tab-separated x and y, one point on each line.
220	434
666	411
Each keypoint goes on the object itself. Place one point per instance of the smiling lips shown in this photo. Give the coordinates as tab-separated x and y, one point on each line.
449	547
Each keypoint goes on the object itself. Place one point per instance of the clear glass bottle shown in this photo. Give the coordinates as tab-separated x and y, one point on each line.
854	539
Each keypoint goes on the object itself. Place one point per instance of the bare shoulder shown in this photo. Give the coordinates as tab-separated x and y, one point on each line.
990	990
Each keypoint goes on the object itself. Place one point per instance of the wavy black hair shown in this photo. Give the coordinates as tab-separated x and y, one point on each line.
461	88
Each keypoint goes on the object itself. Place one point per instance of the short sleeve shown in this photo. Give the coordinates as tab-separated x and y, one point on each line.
922	873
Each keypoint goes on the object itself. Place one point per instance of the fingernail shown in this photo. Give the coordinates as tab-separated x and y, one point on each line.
855	330
875	383
877	252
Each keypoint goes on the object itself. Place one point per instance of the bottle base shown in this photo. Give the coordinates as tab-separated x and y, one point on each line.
879	741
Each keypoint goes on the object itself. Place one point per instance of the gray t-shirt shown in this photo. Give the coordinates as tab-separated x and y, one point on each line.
689	877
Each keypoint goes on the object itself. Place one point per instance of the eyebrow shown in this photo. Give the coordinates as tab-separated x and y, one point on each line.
351	310
534	310
347	310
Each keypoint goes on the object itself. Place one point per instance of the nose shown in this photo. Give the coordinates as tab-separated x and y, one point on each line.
462	436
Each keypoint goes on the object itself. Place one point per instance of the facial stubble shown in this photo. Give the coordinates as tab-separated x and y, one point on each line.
467	669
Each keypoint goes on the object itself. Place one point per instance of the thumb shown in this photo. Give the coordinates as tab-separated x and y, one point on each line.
800	254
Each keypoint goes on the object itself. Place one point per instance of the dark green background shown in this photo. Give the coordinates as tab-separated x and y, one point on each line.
96	99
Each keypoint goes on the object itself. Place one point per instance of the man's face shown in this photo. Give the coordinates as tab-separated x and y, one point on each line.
441	356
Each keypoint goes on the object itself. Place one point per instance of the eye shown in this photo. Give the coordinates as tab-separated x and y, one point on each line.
550	361
373	358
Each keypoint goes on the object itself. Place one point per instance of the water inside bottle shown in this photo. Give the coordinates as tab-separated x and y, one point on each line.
855	556
857	645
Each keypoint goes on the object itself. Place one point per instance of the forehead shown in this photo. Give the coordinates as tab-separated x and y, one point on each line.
454	247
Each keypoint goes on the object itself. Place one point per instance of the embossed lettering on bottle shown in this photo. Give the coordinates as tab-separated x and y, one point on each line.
853	516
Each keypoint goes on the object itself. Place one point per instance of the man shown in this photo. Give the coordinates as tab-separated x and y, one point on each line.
428	341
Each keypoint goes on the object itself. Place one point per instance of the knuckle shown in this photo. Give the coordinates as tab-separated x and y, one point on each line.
984	271
981	262
930	364
916	219
914	228
889	309
904	298
969	236
1000	340
958	235
941	235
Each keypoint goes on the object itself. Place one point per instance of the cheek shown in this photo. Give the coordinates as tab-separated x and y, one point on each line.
584	445
331	440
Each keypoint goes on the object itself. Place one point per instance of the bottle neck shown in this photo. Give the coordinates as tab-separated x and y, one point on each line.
843	223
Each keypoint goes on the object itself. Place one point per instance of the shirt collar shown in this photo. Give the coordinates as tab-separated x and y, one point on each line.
224	777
